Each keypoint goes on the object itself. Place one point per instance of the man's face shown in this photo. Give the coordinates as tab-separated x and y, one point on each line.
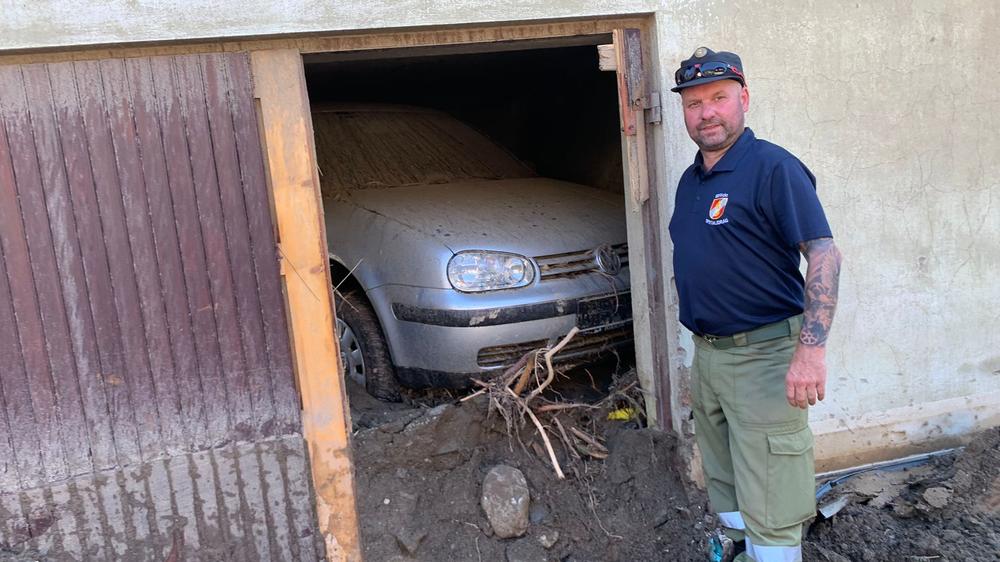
714	113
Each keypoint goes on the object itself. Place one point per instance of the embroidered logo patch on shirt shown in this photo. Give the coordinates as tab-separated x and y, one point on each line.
718	209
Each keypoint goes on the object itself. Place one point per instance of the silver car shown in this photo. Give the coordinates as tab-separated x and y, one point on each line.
452	258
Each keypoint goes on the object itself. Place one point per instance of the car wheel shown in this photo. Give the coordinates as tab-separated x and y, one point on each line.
364	354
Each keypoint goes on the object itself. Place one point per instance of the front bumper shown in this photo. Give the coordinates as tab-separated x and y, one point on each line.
443	338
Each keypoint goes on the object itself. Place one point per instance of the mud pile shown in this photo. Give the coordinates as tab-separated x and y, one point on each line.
420	472
945	511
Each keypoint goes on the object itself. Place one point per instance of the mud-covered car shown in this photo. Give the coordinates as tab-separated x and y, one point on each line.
452	259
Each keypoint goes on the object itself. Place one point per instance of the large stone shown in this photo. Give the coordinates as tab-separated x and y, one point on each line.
937	496
506	501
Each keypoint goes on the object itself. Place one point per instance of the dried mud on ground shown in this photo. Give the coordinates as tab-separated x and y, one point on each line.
945	511
420	471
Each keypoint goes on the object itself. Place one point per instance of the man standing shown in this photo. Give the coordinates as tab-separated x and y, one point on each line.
744	212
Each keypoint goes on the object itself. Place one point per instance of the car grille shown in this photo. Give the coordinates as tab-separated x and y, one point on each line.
571	264
582	346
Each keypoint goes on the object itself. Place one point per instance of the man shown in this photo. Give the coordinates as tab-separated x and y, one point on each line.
744	212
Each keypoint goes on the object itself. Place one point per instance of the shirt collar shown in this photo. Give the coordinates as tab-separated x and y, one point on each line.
732	156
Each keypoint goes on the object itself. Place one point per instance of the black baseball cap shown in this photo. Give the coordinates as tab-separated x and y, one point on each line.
706	65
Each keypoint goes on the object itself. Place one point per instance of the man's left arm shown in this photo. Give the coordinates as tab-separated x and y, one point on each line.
805	383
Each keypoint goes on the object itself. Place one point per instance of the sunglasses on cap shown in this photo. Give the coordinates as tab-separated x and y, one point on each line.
707	69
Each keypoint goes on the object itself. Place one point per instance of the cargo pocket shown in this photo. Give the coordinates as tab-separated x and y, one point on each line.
791	480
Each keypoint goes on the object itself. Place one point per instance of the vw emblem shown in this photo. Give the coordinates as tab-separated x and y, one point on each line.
607	259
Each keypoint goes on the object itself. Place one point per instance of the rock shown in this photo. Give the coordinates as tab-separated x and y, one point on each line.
548	538
526	550
937	496
506	501
409	540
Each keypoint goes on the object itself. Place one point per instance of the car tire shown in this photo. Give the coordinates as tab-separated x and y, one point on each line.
364	352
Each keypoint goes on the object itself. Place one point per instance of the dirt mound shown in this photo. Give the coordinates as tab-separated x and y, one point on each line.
948	510
419	479
420	473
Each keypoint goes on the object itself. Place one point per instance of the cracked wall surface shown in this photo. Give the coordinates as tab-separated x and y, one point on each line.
895	106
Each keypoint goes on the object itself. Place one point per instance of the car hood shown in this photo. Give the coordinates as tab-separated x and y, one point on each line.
530	216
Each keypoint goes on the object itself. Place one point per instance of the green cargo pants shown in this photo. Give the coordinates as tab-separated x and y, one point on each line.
757	450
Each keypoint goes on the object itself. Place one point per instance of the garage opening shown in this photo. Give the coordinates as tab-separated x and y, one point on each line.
475	209
441	163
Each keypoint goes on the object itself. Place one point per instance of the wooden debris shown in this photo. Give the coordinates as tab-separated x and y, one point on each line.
513	395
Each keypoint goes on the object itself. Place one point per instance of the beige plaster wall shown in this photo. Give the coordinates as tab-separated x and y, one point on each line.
895	106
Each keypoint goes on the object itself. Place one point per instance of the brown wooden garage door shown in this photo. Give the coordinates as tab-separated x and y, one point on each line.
147	403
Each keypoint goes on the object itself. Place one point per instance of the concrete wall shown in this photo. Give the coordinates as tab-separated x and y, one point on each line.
893	105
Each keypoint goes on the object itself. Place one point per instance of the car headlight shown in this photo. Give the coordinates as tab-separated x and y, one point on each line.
487	271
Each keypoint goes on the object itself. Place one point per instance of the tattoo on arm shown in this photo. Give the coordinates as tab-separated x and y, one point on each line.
822	282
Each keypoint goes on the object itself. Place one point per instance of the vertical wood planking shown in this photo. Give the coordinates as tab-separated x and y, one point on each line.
114	513
164	523
276	496
31	272
13	525
299	499
237	229
126	301
189	234
263	235
67	522
129	233
93	519
138	510
111	380
207	507
182	493
39	513
169	261
9	362
22	463
142	317
84	333
254	503
191	95
67	311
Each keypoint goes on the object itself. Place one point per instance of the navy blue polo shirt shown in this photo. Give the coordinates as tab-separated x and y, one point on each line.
736	231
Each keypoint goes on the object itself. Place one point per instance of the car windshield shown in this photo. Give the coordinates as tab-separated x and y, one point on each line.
369	149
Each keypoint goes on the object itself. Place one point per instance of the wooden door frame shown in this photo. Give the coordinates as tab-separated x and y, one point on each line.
329	445
639	107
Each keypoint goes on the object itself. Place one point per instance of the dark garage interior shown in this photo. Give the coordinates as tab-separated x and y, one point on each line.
553	108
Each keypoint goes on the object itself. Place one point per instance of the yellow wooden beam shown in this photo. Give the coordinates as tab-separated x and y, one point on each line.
287	134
